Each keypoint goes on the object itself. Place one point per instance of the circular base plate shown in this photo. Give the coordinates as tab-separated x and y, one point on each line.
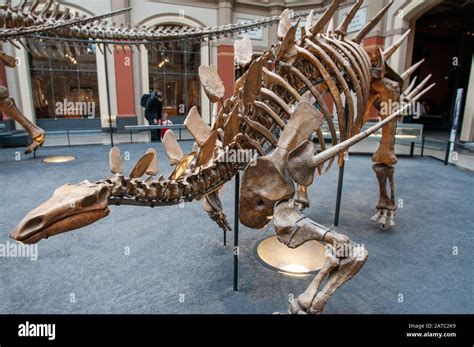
302	261
59	159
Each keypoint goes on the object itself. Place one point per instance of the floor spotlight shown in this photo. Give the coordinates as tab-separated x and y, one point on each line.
59	159
300	262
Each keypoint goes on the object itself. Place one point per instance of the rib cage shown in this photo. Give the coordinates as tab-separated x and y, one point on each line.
331	67
327	66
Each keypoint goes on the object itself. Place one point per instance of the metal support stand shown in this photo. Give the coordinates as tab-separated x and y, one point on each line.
422	145
456	123
209	63
339	194
108	95
412	149
448	150
236	231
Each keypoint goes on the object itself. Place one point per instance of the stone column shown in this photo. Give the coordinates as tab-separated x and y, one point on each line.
276	7
225	48
121	76
224	12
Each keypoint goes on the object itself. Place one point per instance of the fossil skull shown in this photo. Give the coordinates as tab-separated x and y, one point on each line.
72	206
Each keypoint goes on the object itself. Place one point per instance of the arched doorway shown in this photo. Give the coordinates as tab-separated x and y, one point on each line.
444	37
173	70
178	71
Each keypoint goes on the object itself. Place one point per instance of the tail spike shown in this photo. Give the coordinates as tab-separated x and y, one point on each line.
389	51
371	24
418	88
410	87
325	18
342	28
416	98
412	69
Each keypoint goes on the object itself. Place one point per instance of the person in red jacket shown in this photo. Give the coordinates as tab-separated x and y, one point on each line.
164	121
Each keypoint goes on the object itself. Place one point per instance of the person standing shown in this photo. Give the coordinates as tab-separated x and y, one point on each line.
164	121
153	112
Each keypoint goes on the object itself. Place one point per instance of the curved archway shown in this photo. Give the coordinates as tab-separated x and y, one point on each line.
77	8
30	77
403	18
170	19
181	83
438	30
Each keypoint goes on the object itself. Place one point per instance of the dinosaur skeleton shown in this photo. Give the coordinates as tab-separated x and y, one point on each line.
68	28
266	97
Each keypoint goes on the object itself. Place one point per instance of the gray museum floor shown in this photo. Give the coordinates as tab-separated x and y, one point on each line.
178	264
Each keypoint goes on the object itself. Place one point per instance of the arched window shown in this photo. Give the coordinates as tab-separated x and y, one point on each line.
64	79
173	70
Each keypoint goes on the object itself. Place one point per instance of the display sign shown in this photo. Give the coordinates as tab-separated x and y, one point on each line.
255	34
358	22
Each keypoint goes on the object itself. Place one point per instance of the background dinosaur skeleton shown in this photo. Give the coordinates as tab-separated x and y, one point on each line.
27	23
274	186
22	20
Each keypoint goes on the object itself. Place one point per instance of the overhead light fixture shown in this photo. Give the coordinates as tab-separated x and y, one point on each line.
59	159
299	262
163	62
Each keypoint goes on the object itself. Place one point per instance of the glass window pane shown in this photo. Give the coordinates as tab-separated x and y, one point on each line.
173	70
64	80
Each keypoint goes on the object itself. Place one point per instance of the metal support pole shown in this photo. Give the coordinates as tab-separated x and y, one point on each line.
412	149
180	134
339	194
108	94
422	145
68	139
209	63
236	231
131	136
446	157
